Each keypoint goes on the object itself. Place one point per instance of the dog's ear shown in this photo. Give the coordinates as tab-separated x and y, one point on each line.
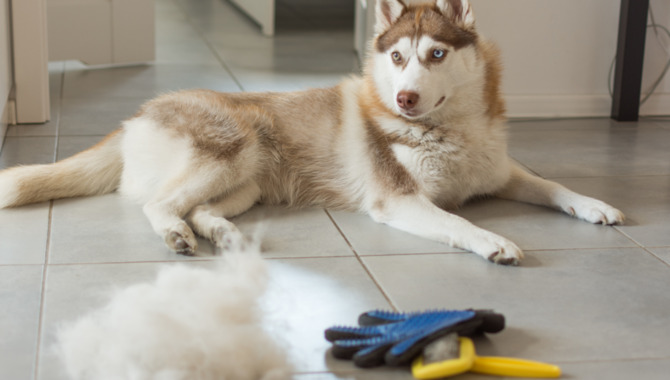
459	11
387	12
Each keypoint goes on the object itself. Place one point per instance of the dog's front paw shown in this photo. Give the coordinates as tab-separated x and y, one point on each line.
595	211
497	249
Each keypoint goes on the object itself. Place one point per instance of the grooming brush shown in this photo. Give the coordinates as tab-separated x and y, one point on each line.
453	355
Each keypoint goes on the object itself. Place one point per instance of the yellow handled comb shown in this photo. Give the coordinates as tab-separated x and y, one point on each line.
468	360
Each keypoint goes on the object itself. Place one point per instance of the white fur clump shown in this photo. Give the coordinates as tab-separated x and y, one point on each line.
191	323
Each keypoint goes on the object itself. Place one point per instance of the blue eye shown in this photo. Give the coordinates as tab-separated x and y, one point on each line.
439	53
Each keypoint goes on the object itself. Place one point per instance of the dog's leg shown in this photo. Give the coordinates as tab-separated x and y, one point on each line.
179	196
525	187
419	216
209	220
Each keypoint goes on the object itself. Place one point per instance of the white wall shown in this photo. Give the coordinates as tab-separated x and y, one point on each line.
5	63
557	54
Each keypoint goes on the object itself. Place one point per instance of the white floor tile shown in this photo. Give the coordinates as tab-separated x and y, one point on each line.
580	305
20	292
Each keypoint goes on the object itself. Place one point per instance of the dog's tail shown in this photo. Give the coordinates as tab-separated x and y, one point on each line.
96	170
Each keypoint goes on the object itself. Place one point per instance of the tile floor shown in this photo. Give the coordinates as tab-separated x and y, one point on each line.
593	299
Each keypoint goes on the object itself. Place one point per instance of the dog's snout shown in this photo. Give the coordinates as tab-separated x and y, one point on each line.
407	100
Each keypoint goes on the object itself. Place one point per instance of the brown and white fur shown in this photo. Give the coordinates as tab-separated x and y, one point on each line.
420	133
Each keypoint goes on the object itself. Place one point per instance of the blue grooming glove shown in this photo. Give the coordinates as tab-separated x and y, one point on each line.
395	339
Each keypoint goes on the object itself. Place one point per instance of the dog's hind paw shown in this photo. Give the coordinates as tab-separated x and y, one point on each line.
230	239
182	240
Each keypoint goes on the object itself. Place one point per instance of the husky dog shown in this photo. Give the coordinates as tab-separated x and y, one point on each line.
422	131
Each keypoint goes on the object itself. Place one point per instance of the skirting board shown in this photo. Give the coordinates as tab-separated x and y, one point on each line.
657	105
7	117
557	106
3	132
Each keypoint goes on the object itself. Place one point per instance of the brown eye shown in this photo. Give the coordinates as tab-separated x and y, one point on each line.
397	58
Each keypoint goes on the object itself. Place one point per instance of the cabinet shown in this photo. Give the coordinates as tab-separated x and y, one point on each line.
101	31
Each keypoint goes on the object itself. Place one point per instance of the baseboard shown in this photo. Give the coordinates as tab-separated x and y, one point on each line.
555	106
657	105
7	118
3	132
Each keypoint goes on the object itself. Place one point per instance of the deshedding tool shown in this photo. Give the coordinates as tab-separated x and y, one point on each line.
453	355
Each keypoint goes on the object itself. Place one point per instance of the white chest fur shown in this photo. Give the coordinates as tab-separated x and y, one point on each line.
452	165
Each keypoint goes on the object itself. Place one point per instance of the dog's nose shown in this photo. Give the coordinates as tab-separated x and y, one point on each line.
407	100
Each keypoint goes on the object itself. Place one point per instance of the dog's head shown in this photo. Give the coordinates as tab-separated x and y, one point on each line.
422	53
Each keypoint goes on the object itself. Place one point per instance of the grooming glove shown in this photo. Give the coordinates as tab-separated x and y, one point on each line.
395	339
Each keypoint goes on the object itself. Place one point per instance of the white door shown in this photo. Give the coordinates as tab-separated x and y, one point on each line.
31	74
101	31
364	25
262	11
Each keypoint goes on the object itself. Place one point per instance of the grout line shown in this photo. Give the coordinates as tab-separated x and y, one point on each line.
656	257
521	119
416	254
622	232
533	250
555	178
169	262
642	246
344	372
204	259
12	265
610	176
611	360
524	166
346	240
362	263
40	321
619	229
47	249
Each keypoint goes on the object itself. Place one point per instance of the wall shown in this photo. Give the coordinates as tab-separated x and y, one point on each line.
5	64
557	54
